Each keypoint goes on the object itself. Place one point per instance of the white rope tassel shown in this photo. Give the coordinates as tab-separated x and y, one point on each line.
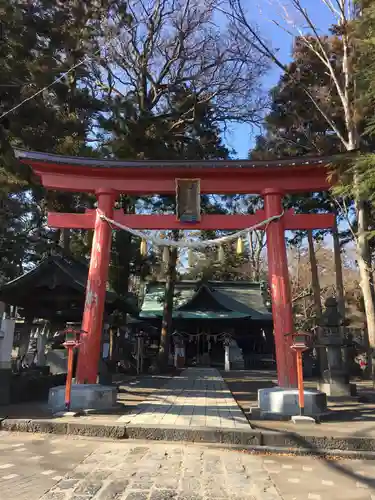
165	255
190	258
162	242
221	254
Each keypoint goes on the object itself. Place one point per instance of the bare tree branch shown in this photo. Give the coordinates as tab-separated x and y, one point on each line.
175	45
302	295
240	23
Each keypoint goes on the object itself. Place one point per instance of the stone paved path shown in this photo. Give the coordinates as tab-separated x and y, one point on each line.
32	464
165	472
308	478
65	468
198	398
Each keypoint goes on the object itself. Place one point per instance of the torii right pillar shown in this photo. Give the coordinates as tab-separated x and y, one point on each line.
278	275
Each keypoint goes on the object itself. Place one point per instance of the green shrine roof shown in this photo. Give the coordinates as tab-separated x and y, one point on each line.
213	300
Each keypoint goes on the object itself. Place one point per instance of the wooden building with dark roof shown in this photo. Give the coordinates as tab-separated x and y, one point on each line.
55	290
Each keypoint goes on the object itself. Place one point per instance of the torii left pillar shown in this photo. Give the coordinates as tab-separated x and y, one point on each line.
92	322
280	289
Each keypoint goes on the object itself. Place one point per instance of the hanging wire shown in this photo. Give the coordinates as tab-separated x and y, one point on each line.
64	75
216	336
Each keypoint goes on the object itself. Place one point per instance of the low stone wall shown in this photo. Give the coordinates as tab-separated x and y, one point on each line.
5	386
57	360
33	386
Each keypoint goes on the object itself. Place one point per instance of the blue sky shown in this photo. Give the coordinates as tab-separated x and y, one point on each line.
241	137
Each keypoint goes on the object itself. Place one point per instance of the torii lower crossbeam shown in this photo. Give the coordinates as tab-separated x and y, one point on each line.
292	221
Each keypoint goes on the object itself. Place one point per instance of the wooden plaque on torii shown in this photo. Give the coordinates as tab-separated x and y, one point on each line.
188	200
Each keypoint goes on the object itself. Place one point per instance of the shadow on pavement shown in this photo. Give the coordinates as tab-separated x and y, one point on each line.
132	391
332	462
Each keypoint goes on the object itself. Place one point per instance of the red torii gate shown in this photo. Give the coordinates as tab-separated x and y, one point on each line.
107	179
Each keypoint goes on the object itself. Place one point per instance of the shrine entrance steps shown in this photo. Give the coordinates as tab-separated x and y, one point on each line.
198	398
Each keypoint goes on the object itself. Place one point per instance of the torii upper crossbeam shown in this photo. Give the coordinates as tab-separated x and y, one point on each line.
107	179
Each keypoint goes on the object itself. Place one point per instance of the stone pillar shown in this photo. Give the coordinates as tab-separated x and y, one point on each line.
25	335
227	358
6	344
226	342
89	351
280	290
6	341
41	341
235	356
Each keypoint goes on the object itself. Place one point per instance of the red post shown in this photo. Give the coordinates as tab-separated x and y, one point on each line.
301	392
69	378
92	321
280	290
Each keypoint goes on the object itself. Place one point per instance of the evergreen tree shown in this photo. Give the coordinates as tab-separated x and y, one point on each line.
41	41
296	127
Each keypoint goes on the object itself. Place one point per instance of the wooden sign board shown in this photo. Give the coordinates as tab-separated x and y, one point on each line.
188	200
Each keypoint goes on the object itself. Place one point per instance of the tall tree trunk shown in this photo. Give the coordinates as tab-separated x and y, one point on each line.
363	251
321	351
340	286
121	264
167	310
366	282
64	240
123	247
314	276
338	270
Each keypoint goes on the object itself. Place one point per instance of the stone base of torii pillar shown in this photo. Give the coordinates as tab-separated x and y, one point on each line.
84	397
277	403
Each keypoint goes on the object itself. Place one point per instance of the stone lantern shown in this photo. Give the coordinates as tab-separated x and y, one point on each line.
334	377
